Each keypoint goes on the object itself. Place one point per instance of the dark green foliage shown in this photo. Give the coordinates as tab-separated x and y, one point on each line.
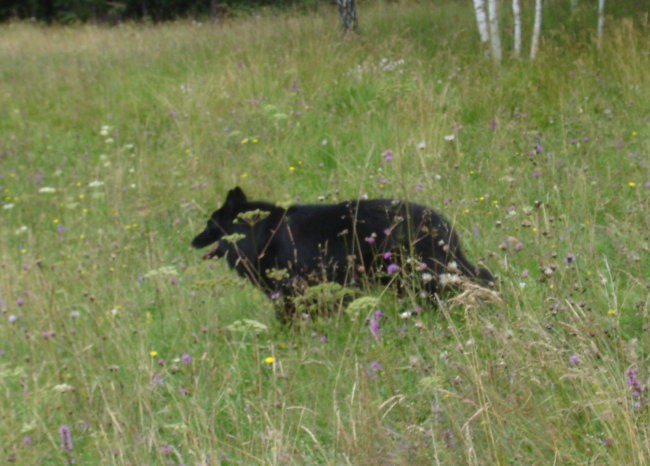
120	10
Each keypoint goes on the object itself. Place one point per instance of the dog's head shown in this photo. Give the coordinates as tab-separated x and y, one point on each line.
221	223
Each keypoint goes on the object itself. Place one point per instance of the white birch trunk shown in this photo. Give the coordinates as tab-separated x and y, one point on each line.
537	27
601	21
495	40
516	13
481	20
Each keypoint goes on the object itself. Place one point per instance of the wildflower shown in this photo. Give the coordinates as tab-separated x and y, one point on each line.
47	190
374	324
292	168
157	379
269	360
388	155
323	339
27	440
184	391
535	174
166	449
574	359
371	239
569	258
275	295
612	312
422	145
153	354
12	318
631	184
450	137
387	255
392	268
66	438
186	358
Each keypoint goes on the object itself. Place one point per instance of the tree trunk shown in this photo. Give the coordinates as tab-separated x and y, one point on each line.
494	30
348	13
516	13
601	21
481	20
536	29
213	9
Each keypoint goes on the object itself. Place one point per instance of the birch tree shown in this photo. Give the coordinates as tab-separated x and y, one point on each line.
601	21
495	40
537	26
348	14
516	13
481	21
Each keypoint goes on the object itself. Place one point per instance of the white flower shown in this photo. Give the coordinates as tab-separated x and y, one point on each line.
47	190
105	131
95	184
21	230
422	145
11	205
450	137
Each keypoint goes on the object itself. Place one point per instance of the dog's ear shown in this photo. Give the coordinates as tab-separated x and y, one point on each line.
235	197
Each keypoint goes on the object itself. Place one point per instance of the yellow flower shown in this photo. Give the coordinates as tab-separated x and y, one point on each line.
292	168
612	312
631	184
269	360
153	354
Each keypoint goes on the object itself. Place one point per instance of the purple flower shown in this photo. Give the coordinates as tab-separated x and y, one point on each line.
27	440
275	295
66	438
388	155
535	174
20	302
374	324
538	148
493	125
647	184
524	273
323	339
157	379
371	240
387	255
186	358
585	139
375	366
12	318
184	390
392	268
574	359
572	141
419	186
570	257
166	449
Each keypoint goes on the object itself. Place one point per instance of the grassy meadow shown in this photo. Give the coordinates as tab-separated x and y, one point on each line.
118	345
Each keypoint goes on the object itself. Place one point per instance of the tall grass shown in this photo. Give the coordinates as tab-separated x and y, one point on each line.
116	143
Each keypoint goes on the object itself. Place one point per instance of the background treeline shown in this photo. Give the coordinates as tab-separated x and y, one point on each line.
120	10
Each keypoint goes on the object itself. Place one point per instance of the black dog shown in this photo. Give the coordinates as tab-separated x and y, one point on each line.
283	250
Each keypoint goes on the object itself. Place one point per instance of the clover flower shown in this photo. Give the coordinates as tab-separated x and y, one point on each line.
66	438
